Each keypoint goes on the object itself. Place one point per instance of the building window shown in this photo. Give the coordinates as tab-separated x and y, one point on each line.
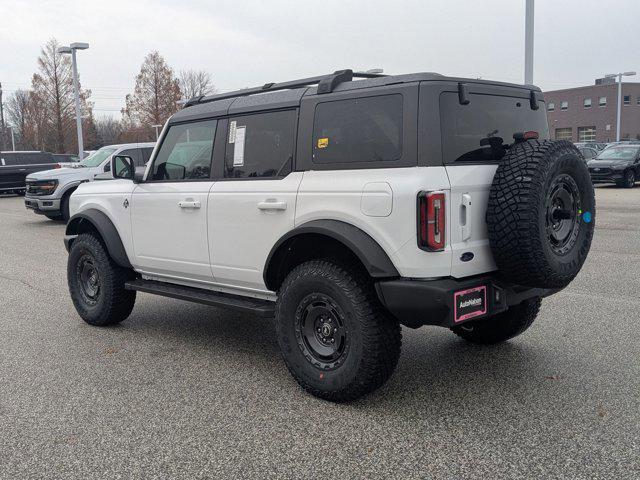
564	134
552	106
587	103
627	99
586	134
602	101
564	105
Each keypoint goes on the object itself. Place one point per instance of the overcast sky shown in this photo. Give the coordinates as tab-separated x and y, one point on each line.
248	43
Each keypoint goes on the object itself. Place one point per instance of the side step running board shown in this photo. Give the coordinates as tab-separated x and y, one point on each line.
262	308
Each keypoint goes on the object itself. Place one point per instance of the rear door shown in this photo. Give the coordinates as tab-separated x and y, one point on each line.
474	136
169	209
253	202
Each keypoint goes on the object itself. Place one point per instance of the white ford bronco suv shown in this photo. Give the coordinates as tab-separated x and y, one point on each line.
343	206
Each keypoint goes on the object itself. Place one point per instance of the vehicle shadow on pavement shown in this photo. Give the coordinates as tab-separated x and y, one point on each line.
435	365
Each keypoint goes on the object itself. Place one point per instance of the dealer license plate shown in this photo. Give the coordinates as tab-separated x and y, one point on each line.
470	303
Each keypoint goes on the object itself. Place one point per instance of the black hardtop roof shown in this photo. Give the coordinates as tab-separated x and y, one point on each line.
289	94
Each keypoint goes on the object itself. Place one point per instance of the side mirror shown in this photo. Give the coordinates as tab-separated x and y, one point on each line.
138	174
123	166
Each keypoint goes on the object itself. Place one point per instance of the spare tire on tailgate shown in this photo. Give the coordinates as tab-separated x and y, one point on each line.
541	212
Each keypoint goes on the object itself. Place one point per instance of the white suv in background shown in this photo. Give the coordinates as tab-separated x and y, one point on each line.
343	208
48	191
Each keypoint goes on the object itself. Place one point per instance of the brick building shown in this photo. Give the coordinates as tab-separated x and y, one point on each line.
589	113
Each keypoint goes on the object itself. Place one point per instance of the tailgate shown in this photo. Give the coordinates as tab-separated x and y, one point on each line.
471	254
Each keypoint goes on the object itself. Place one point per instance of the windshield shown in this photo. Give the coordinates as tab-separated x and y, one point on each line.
618	153
98	157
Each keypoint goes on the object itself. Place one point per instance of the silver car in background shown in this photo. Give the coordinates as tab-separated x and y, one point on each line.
48	191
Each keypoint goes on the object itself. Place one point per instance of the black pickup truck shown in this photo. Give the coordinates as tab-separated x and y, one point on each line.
16	165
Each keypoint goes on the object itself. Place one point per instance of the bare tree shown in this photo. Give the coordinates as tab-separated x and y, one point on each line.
19	116
53	95
156	93
195	83
108	130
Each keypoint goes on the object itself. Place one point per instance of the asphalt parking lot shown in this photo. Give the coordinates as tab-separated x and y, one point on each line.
187	391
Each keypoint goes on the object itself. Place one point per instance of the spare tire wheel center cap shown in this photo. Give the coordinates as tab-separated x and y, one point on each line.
326	330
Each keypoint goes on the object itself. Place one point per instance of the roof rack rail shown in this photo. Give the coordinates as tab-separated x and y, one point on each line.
326	84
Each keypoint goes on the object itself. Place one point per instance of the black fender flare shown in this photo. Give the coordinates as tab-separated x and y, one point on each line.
369	252
105	228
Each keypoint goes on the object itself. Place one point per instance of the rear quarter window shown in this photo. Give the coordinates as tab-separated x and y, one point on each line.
479	131
356	130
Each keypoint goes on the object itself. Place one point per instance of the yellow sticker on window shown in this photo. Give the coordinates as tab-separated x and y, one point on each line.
323	142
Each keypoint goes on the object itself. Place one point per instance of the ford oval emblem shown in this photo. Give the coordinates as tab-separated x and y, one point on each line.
467	256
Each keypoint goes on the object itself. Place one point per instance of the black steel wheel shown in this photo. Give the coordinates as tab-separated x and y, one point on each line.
88	278
563	209
321	331
336	339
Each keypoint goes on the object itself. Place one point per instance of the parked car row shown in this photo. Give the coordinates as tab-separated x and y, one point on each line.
15	165
616	162
48	192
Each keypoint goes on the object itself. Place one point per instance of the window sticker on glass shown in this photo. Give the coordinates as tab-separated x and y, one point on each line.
238	149
232	132
323	142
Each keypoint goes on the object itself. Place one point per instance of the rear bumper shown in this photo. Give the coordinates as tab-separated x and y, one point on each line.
42	205
417	302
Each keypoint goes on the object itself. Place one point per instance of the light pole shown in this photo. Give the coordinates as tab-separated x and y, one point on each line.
13	139
528	42
71	49
618	115
156	127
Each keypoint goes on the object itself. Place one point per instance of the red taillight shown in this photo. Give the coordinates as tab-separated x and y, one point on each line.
530	135
57	165
431	221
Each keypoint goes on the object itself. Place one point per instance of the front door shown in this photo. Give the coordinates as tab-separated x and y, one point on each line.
253	203
169	209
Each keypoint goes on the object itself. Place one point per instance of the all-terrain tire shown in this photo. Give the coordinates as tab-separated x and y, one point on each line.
502	326
367	339
104	301
540	213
